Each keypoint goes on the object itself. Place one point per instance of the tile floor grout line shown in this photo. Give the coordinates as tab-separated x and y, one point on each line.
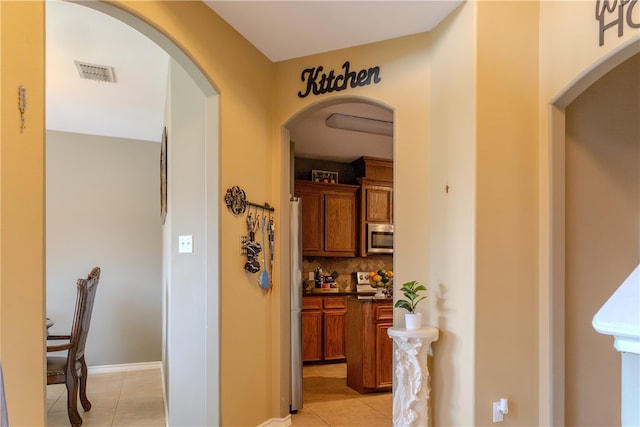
320	417
115	410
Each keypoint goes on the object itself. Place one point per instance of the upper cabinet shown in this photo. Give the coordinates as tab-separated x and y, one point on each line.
377	201
376	196
329	218
373	168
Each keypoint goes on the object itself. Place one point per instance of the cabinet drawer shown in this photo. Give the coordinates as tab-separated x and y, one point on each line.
334	302
384	312
312	303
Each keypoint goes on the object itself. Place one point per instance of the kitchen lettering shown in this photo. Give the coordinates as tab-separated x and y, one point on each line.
319	82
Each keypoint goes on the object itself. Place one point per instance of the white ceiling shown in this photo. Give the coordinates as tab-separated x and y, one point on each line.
292	29
133	107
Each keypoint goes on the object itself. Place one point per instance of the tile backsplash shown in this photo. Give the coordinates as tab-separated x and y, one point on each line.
345	267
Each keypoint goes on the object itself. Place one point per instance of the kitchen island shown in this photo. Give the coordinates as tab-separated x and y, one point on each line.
369	349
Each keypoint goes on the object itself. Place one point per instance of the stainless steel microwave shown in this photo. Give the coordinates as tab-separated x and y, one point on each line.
380	238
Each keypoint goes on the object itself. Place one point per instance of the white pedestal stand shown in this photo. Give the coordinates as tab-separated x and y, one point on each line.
411	396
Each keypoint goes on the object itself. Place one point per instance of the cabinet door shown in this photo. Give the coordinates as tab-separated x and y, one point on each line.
384	356
340	223
334	341
311	336
312	221
379	206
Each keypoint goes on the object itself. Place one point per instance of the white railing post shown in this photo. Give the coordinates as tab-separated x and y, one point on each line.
620	317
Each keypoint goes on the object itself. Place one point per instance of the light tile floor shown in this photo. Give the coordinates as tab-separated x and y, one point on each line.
131	398
134	398
328	401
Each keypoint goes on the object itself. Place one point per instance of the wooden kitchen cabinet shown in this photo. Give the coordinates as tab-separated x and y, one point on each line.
373	168
376	201
329	218
375	176
323	328
369	348
311	329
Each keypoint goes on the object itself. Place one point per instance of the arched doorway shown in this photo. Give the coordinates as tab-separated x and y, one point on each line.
192	114
307	141
591	150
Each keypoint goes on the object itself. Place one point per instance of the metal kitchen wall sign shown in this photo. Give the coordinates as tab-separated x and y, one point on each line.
610	13
318	82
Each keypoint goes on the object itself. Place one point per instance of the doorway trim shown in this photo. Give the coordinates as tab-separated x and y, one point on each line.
551	390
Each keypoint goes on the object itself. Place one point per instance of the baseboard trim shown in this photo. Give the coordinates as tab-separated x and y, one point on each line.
277	422
106	369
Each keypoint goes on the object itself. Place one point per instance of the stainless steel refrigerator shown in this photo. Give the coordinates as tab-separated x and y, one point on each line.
295	245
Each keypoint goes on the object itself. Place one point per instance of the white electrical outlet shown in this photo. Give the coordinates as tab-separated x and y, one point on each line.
185	244
498	416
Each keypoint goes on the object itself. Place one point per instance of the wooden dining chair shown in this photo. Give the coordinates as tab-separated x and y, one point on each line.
71	369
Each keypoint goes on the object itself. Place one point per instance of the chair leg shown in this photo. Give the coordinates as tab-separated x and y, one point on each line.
72	399
86	405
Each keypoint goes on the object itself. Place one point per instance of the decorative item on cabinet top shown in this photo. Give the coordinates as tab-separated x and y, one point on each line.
236	201
327	177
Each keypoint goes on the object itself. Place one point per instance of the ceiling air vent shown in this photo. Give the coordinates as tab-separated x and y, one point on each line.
100	73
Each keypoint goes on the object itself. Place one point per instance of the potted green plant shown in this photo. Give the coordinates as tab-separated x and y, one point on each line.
411	291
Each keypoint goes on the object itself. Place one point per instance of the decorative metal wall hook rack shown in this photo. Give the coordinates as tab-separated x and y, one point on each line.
266	206
236	201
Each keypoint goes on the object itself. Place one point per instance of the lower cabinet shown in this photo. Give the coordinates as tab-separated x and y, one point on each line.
311	333
323	328
369	348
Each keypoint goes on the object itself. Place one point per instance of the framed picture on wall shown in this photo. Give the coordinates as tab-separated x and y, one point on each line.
163	176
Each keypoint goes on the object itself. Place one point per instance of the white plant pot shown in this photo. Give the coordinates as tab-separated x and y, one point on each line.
413	320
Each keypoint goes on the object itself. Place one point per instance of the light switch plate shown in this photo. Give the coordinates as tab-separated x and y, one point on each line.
185	244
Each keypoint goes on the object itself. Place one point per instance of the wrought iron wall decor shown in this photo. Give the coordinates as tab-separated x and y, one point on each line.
236	201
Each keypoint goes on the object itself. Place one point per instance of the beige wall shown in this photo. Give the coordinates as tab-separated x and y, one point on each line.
405	88
252	109
602	211
506	217
243	77
451	101
102	210
452	157
22	297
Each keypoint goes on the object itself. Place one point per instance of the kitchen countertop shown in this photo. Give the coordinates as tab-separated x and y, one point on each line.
351	295
327	294
370	298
